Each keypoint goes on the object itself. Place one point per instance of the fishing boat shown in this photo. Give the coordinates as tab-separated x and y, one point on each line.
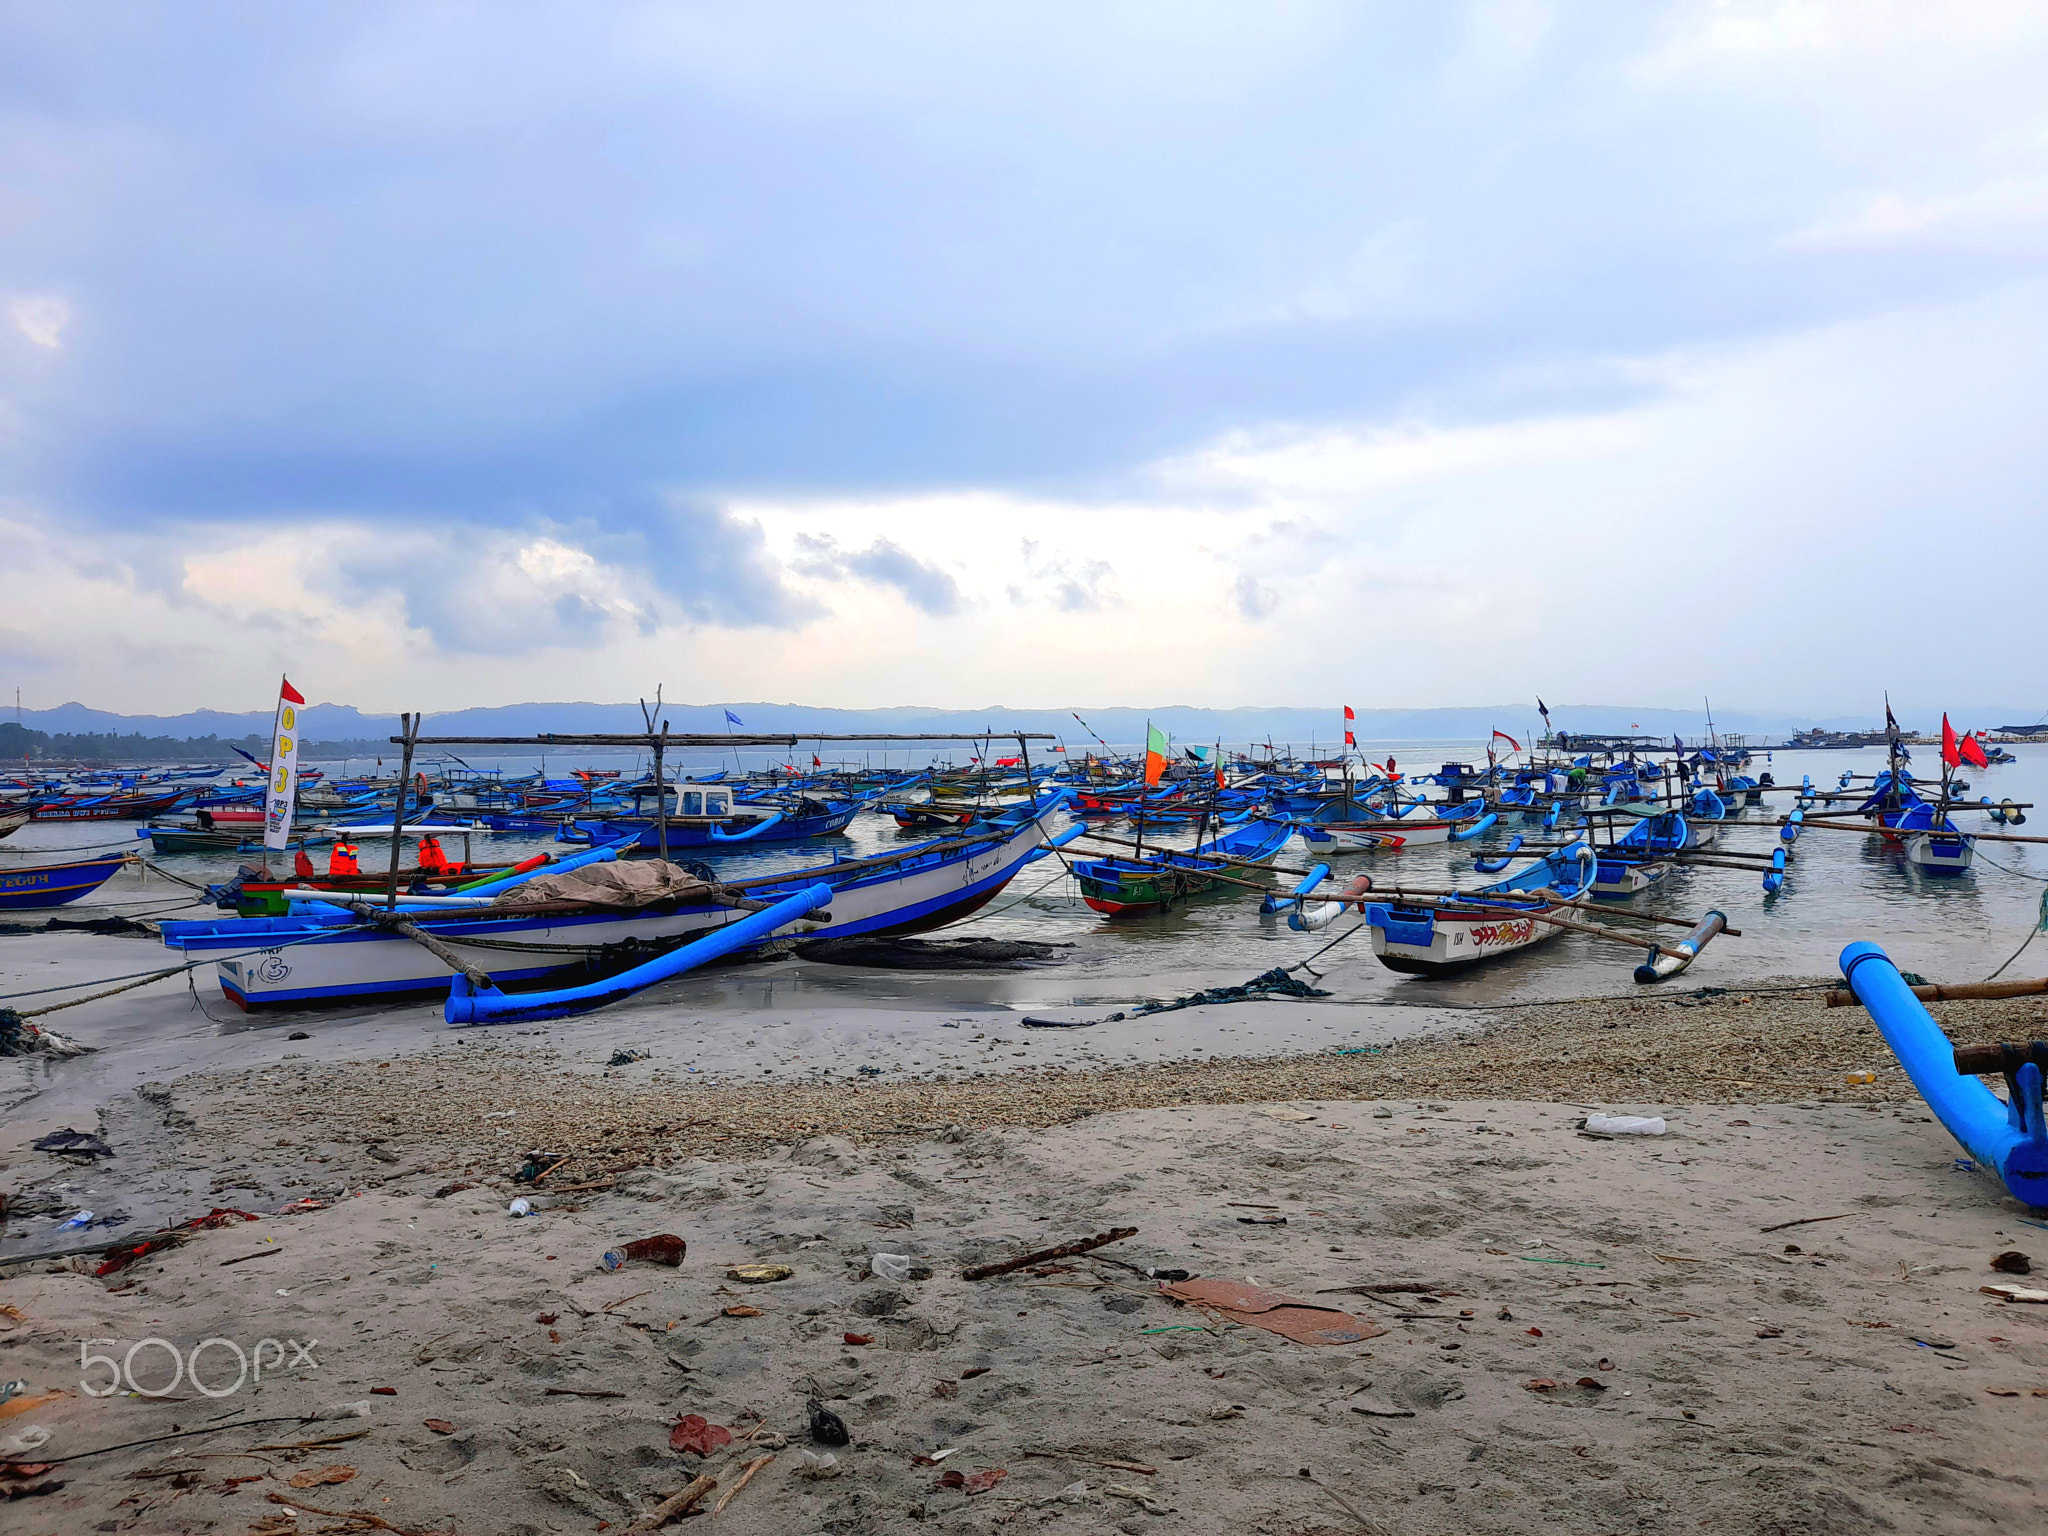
108	807
12	820
1152	882
28	886
1420	825
707	818
1641	857
321	954
1495	920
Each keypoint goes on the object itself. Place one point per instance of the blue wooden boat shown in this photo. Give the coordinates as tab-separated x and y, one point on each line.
1153	882
1435	939
24	887
321	953
708	820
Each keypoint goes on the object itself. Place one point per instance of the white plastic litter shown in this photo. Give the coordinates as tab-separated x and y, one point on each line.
891	1266
520	1207
360	1409
1625	1125
28	1438
77	1223
817	1464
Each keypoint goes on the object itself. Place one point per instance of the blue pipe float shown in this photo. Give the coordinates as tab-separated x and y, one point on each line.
718	835
1793	823
1495	865
1045	850
1669	962
471	1005
1466	834
2006	1137
1275	902
1774	878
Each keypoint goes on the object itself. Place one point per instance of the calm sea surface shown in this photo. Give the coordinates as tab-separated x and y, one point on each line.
1841	886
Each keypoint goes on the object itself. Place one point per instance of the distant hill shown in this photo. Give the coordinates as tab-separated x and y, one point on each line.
1119	725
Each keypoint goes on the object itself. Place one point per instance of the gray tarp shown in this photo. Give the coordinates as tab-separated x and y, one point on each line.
621	883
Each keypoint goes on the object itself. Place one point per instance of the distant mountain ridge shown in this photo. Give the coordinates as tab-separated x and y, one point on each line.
1121	725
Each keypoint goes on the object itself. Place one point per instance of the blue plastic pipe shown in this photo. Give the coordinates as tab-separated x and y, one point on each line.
2008	1138
750	834
467	1005
1466	834
1044	851
1316	875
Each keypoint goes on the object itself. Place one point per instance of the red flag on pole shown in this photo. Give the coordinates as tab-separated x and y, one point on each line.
1972	751
1350	740
1950	753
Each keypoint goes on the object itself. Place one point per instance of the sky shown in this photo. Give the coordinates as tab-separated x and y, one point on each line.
1394	355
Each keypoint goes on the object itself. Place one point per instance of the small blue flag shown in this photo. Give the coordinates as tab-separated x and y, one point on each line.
735	719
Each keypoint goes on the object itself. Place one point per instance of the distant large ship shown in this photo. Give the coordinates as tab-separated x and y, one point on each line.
1818	740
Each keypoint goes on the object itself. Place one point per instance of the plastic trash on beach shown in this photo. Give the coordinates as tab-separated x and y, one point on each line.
520	1207
663	1248
77	1223
891	1266
28	1438
360	1409
817	1464
1625	1125
827	1428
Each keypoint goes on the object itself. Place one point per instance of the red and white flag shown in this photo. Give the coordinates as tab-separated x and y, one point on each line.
1350	740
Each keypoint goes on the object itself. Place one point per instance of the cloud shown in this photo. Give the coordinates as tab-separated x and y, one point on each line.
924	586
41	318
1255	600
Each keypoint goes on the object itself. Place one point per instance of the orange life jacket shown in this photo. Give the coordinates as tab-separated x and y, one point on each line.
341	860
432	859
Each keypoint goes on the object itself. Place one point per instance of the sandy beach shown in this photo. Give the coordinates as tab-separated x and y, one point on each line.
1704	1373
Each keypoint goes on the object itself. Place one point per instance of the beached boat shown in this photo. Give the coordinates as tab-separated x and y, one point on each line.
323	954
706	818
27	886
1152	882
12	820
1497	919
108	807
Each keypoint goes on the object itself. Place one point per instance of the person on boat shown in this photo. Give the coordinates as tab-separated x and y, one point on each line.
341	860
431	858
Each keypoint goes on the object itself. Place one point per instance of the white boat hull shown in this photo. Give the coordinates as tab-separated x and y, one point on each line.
1459	937
360	963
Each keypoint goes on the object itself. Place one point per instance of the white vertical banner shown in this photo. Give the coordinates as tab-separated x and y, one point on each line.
284	770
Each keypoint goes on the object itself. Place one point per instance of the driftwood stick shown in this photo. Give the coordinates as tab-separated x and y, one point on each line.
1095	1461
1805	1221
260	1253
746	1477
357	1516
668	1509
1064	1251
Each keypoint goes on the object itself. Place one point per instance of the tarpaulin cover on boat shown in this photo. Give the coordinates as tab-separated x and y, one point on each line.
635	883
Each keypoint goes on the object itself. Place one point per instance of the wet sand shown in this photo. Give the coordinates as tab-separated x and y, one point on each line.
1858	1382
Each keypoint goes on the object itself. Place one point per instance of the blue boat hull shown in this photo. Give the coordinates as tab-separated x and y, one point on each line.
53	885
